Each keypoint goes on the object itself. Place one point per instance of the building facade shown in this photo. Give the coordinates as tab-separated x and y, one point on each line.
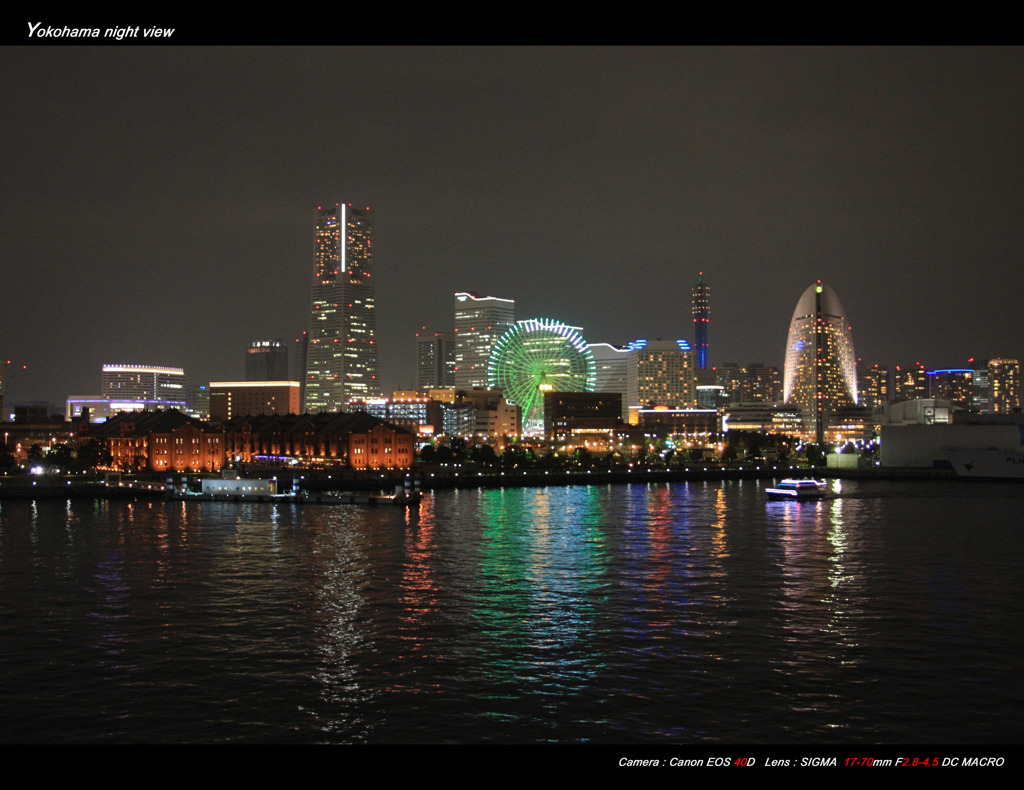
701	319
324	440
661	373
910	382
953	384
1003	386
238	398
266	360
821	366
479	322
873	385
342	361
161	441
143	383
435	360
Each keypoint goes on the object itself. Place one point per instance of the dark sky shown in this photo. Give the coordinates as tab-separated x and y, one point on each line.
157	203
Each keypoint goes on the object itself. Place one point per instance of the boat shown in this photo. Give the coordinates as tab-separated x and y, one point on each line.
987	464
792	488
238	489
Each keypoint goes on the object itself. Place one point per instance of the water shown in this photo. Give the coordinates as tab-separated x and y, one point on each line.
645	614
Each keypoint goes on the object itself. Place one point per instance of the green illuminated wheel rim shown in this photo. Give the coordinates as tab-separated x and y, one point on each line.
539	355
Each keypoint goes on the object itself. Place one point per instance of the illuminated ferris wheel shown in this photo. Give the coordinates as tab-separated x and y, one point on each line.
536	356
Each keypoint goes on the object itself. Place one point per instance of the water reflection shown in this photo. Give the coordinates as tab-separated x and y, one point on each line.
674	613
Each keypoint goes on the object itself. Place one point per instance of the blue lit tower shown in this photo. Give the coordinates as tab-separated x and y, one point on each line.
342	362
701	317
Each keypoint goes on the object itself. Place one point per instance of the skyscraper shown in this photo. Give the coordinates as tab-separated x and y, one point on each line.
821	368
479	322
701	317
342	362
266	360
435	360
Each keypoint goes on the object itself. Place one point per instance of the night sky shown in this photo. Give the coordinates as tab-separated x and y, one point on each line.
158	203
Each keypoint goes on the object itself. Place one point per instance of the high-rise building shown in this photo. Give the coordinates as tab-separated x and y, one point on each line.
1003	386
821	367
873	385
435	360
661	374
979	398
755	383
266	360
701	317
953	384
910	382
479	322
342	362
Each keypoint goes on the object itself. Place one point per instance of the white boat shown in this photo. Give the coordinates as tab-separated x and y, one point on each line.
792	488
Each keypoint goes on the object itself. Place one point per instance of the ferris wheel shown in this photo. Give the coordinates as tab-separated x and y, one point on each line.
536	356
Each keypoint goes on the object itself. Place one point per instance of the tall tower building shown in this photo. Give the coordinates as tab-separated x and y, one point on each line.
821	368
701	316
342	362
479	322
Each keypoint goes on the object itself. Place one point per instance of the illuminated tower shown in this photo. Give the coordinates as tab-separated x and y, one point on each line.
701	316
342	362
821	368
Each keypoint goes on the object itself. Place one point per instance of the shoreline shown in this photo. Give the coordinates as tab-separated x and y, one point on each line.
445	479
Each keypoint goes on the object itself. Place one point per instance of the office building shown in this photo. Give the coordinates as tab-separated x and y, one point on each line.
143	383
661	373
342	361
755	383
979	402
266	360
701	317
821	367
435	360
873	385
910	382
953	384
241	398
1003	386
479	322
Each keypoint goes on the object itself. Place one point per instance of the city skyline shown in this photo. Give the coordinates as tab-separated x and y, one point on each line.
891	173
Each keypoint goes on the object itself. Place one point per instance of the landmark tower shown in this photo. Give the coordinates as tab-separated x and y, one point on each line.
342	363
821	367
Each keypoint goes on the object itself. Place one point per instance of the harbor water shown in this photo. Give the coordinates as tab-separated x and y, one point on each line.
673	613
